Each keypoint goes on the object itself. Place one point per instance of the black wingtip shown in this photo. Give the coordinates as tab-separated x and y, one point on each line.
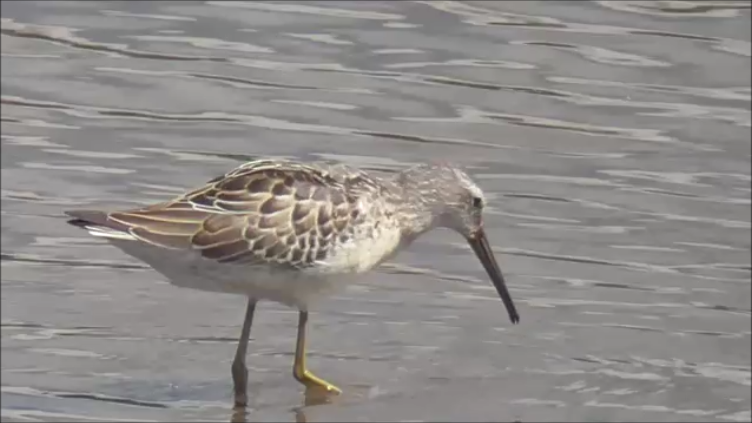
88	216
84	218
79	223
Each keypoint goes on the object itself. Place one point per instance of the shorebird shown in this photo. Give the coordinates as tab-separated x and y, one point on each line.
293	232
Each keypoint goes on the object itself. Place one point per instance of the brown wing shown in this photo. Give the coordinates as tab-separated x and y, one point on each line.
263	212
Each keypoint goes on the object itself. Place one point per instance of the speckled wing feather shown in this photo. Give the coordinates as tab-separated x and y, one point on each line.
262	212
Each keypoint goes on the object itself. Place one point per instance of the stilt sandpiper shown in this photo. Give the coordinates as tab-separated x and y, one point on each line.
291	232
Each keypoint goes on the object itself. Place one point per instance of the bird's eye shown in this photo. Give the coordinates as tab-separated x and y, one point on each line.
477	202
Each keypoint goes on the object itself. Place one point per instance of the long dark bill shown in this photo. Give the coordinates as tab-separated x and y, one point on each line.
480	245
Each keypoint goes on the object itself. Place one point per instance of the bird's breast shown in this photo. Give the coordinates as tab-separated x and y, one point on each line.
366	249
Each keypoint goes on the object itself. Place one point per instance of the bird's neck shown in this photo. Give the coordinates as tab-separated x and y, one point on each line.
416	210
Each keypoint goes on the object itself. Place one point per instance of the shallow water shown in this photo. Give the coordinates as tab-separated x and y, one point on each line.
612	139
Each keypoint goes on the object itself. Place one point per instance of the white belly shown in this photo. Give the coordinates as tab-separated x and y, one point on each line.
187	269
296	288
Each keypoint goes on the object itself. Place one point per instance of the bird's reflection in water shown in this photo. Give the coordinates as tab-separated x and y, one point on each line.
239	415
312	397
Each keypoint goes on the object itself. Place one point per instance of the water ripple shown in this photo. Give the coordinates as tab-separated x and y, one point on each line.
19	390
63	35
714	9
207	43
600	55
308	9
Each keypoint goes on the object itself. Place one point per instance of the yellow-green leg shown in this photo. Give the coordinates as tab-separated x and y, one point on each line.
299	369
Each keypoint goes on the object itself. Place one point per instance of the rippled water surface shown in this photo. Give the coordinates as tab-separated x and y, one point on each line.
612	139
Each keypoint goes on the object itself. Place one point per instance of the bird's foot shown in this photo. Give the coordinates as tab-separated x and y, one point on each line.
315	383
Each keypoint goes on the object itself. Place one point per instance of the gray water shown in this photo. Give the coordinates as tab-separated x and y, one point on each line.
612	140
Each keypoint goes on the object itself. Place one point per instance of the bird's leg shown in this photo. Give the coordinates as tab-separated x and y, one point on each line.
299	369
239	371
